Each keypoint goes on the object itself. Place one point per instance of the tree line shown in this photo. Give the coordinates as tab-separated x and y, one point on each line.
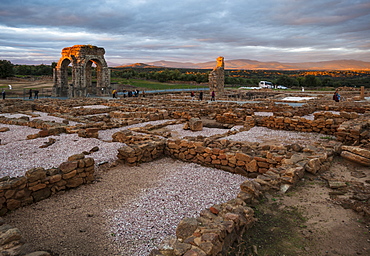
7	69
290	79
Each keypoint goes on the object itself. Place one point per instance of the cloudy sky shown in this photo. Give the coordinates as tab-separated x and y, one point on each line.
131	31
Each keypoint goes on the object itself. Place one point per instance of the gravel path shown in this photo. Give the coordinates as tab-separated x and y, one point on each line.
129	211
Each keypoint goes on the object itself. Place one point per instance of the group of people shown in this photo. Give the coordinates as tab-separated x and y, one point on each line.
36	92
213	96
134	93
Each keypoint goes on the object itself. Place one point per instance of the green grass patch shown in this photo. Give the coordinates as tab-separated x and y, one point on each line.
327	138
277	232
153	85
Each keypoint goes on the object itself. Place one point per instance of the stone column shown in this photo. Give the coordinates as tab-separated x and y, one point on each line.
216	79
362	93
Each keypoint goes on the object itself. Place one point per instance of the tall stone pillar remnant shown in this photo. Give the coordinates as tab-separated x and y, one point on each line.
81	58
362	92
216	79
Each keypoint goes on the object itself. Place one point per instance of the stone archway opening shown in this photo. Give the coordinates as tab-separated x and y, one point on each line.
90	73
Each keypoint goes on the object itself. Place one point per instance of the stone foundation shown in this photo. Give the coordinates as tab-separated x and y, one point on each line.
39	183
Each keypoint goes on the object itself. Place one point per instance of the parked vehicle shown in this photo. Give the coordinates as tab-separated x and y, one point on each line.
265	84
281	87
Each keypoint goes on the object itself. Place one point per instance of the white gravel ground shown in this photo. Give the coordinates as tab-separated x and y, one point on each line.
18	156
15	133
178	131
263	113
184	190
41	115
263	134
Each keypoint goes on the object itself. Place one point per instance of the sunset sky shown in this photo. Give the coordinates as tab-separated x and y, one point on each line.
131	31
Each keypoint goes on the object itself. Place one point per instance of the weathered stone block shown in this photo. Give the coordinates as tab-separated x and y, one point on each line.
35	174
186	227
67	167
41	194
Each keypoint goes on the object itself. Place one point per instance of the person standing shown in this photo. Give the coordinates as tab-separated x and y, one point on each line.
30	94
3	94
192	95
201	96
213	95
36	94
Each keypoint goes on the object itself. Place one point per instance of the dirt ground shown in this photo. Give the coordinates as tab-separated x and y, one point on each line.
20	87
73	223
308	220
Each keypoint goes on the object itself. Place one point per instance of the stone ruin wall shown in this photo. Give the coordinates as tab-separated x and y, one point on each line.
38	184
216	78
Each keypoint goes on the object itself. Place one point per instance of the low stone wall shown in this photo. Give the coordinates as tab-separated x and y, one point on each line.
139	153
324	122
212	233
355	132
235	162
40	183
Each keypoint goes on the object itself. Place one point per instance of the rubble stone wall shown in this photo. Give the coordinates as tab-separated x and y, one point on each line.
355	132
135	154
234	162
324	122
39	183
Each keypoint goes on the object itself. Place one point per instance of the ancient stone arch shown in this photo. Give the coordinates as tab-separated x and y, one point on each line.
81	57
216	78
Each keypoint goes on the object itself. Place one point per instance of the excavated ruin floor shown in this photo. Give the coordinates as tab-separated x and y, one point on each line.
121	214
128	210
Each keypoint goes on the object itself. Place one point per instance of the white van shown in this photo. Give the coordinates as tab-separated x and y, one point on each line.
265	84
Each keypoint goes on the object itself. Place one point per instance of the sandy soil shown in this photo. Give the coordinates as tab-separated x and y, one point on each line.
331	229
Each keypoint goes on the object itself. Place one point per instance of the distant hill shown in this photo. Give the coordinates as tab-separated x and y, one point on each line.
259	65
138	65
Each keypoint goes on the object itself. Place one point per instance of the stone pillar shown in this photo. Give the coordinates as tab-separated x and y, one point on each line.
362	93
216	79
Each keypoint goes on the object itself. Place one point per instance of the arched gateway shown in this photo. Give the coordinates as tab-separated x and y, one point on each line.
82	58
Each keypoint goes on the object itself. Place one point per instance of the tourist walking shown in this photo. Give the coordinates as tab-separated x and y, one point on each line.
213	95
114	93
30	94
36	94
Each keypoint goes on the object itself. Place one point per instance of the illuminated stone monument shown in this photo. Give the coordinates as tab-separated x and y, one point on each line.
216	79
81	57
